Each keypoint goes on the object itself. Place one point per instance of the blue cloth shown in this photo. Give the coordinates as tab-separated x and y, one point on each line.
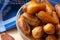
8	10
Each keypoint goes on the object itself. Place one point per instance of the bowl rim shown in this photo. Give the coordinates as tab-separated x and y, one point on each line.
19	30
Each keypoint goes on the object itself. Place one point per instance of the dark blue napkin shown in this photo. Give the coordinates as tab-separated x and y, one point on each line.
8	10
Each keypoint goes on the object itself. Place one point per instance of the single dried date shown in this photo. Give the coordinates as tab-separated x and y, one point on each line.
5	36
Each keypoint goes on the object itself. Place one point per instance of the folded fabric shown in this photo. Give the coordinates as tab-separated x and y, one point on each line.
8	10
8	24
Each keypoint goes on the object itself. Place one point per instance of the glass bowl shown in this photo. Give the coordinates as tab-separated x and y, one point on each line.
20	11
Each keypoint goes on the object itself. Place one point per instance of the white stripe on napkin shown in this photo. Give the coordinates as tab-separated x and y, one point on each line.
2	27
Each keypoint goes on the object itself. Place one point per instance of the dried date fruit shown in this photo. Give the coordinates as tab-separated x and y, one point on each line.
49	8
31	19
37	32
54	15
32	7
58	30
50	37
23	25
44	16
5	36
49	28
57	8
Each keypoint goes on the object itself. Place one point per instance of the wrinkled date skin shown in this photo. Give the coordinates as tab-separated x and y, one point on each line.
58	30
32	20
54	15
5	36
32	7
37	32
50	37
49	8
46	17
49	28
23	25
57	7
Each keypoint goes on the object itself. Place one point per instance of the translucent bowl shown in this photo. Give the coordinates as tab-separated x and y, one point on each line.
20	11
17	17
